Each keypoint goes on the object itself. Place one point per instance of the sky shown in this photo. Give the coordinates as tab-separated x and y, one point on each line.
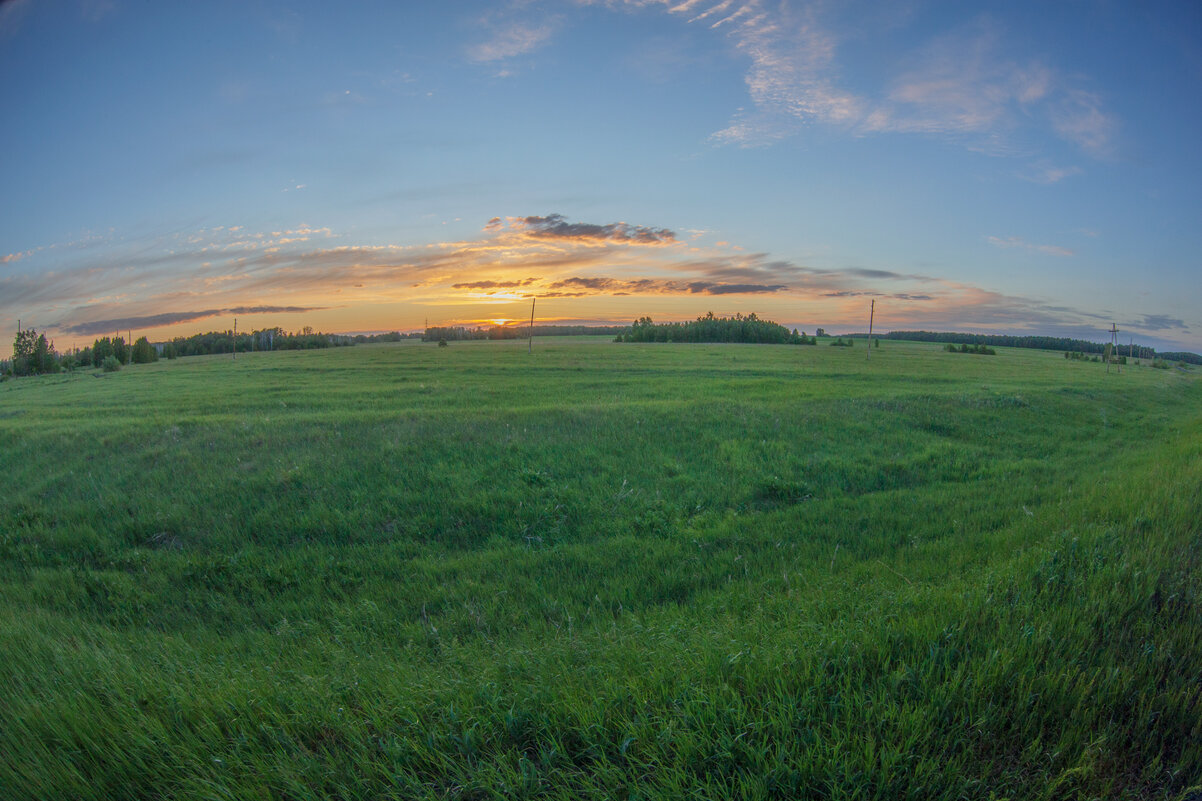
1014	167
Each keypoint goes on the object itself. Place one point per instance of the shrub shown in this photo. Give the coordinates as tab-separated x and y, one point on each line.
111	364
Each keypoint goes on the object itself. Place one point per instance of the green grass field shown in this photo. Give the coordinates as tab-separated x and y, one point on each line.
602	571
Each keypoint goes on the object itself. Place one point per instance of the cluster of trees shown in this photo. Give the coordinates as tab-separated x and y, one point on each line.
457	333
140	352
33	354
715	329
984	350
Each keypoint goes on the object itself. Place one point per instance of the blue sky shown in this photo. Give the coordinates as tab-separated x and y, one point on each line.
1010	167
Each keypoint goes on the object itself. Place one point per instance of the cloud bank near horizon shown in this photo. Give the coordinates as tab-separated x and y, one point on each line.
189	277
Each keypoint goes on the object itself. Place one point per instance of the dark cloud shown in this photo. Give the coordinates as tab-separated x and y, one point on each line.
734	289
576	287
853	293
864	273
494	284
1161	322
170	318
555	226
594	284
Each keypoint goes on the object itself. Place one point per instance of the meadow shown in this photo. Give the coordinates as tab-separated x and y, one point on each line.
602	571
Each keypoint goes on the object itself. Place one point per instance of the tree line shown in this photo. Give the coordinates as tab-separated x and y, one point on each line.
1013	341
1181	356
34	354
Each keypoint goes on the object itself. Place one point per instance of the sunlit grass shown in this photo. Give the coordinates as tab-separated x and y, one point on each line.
602	571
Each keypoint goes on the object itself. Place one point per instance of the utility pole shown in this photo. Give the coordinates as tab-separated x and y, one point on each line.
235	339
530	343
1112	350
871	314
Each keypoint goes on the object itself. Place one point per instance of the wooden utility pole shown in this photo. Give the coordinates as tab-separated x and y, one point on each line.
235	339
871	314
530	343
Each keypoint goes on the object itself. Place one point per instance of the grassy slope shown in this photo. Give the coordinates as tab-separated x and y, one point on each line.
602	571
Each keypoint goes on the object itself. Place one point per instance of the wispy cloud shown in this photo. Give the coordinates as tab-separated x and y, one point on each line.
963	84
792	74
1080	118
509	40
1016	242
1045	173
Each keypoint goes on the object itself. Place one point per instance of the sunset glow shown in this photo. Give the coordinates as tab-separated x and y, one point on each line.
372	169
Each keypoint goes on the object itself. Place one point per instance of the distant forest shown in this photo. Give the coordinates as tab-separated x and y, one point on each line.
1041	343
268	339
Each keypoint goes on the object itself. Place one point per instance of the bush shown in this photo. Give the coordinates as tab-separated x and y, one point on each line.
111	364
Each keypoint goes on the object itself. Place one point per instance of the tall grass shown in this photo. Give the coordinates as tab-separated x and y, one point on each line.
601	571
